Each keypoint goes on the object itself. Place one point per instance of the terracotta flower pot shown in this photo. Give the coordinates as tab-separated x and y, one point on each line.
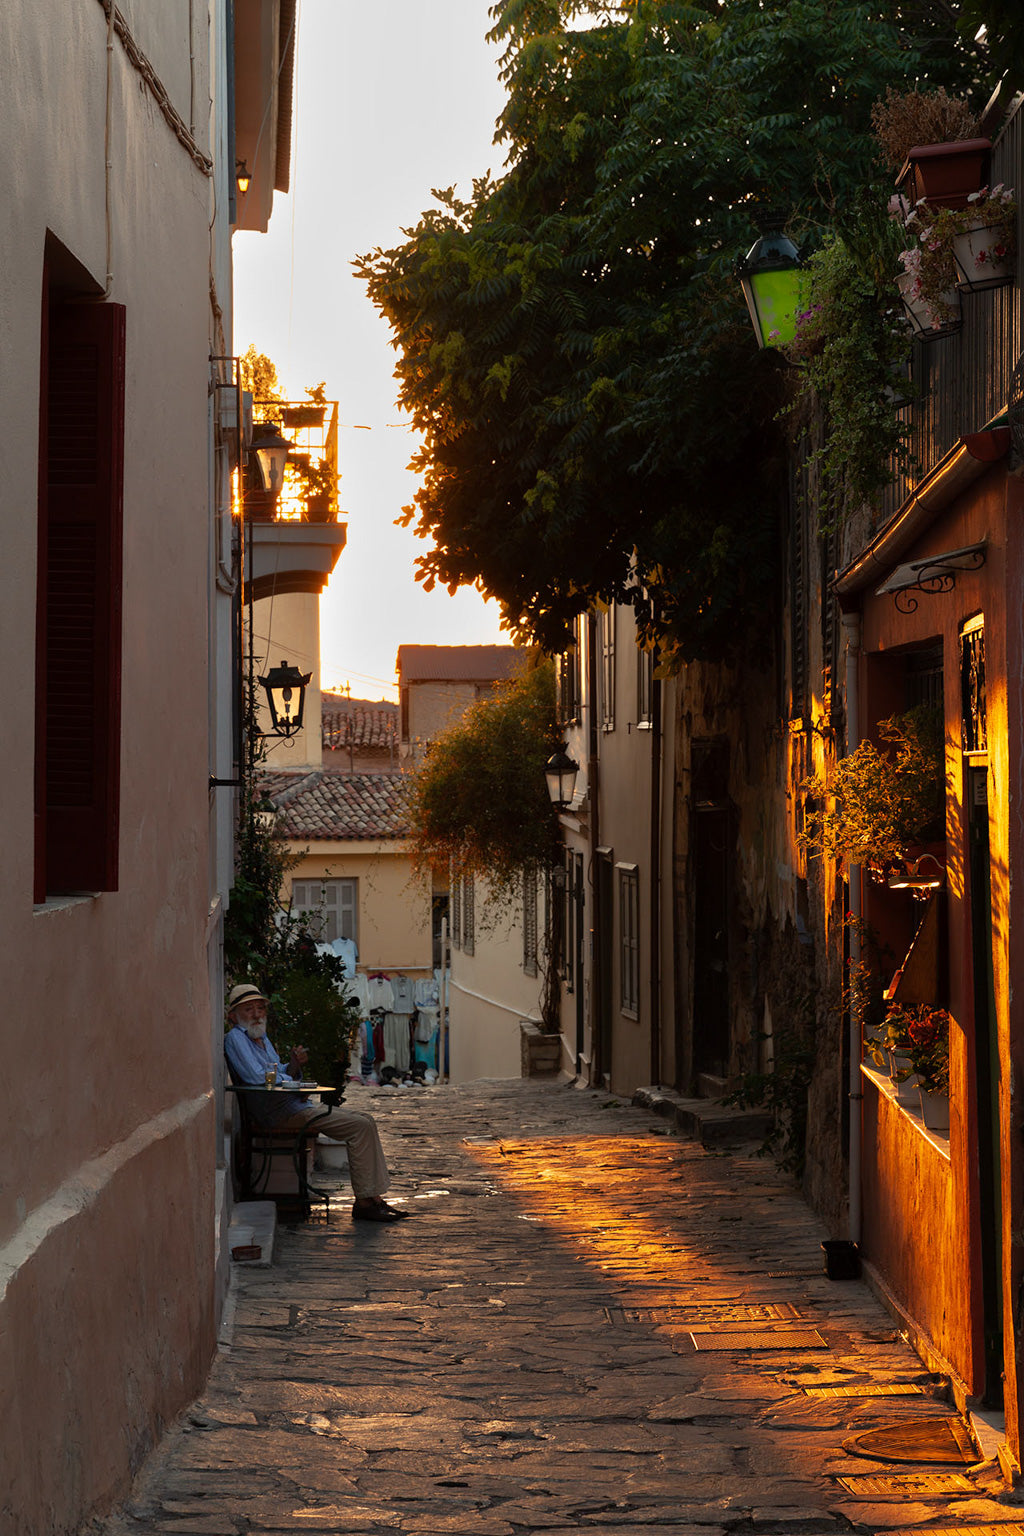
981	259
945	174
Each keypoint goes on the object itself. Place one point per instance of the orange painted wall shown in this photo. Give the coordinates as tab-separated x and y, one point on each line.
922	1214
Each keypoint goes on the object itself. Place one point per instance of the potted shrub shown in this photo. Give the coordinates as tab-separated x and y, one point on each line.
881	806
929	139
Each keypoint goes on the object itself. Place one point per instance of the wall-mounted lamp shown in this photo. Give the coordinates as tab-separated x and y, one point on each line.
271	450
771	280
242	176
560	772
286	696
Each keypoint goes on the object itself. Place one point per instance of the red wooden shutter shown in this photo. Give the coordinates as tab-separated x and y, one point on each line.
85	463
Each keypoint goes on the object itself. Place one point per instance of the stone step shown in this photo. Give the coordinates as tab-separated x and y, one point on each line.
708	1121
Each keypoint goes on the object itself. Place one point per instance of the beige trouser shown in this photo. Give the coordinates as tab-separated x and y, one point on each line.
366	1165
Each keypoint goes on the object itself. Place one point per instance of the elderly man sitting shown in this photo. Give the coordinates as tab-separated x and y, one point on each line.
251	1055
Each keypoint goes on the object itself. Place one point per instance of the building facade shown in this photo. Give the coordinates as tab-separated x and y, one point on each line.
118	184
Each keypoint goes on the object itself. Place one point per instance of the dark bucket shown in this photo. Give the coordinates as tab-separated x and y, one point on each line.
842	1259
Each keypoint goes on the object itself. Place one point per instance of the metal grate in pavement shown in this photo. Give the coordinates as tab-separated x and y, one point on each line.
692	1314
781	1339
908	1483
1014	1528
868	1389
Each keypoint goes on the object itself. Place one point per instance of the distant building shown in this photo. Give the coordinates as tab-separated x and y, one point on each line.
438	683
355	873
358	736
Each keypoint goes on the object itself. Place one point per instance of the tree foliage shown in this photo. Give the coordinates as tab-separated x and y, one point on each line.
596	420
877	804
479	804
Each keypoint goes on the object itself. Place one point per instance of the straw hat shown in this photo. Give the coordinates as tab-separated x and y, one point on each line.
245	992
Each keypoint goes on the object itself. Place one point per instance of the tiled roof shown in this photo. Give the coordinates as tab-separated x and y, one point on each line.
359	807
358	724
458	663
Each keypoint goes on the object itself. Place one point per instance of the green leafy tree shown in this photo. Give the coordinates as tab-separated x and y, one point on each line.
597	422
479	804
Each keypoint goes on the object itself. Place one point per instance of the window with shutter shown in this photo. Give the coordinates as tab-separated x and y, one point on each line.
629	940
332	902
78	717
530	922
456	912
606	632
468	915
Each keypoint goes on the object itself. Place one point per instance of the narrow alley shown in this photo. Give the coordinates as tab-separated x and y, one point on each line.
587	1325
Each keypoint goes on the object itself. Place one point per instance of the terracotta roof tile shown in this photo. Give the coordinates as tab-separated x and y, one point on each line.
352	723
360	807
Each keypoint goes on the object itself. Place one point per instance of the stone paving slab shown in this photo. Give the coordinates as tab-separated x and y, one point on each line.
513	1359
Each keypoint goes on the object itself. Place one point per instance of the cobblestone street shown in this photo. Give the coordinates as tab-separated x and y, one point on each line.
587	1325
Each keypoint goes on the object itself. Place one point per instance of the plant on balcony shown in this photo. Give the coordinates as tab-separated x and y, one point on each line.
988	224
982	236
850	346
881	804
903	120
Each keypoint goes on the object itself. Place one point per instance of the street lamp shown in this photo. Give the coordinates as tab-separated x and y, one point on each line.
286	696
560	772
771	280
242	176
271	450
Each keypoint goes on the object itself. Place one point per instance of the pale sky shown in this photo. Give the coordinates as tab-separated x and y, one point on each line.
393	97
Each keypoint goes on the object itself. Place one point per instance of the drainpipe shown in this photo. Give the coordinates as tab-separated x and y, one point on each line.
655	886
851	624
597	1029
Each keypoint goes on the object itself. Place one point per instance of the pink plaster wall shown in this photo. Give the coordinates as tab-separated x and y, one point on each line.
106	1333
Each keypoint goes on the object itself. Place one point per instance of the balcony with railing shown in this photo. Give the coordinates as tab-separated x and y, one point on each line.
963	378
293	533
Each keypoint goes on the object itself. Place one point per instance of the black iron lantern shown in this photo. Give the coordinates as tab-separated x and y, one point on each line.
771	279
286	697
560	772
271	450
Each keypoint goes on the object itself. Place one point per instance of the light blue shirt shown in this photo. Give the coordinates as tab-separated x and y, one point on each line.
250	1060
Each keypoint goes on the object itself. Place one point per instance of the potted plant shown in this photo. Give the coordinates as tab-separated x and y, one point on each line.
927	286
880	806
890	1051
929	139
983	238
927	1033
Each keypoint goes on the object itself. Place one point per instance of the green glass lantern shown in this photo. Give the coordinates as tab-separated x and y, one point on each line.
772	283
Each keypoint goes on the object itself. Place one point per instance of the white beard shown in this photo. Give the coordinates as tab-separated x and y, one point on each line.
257	1031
